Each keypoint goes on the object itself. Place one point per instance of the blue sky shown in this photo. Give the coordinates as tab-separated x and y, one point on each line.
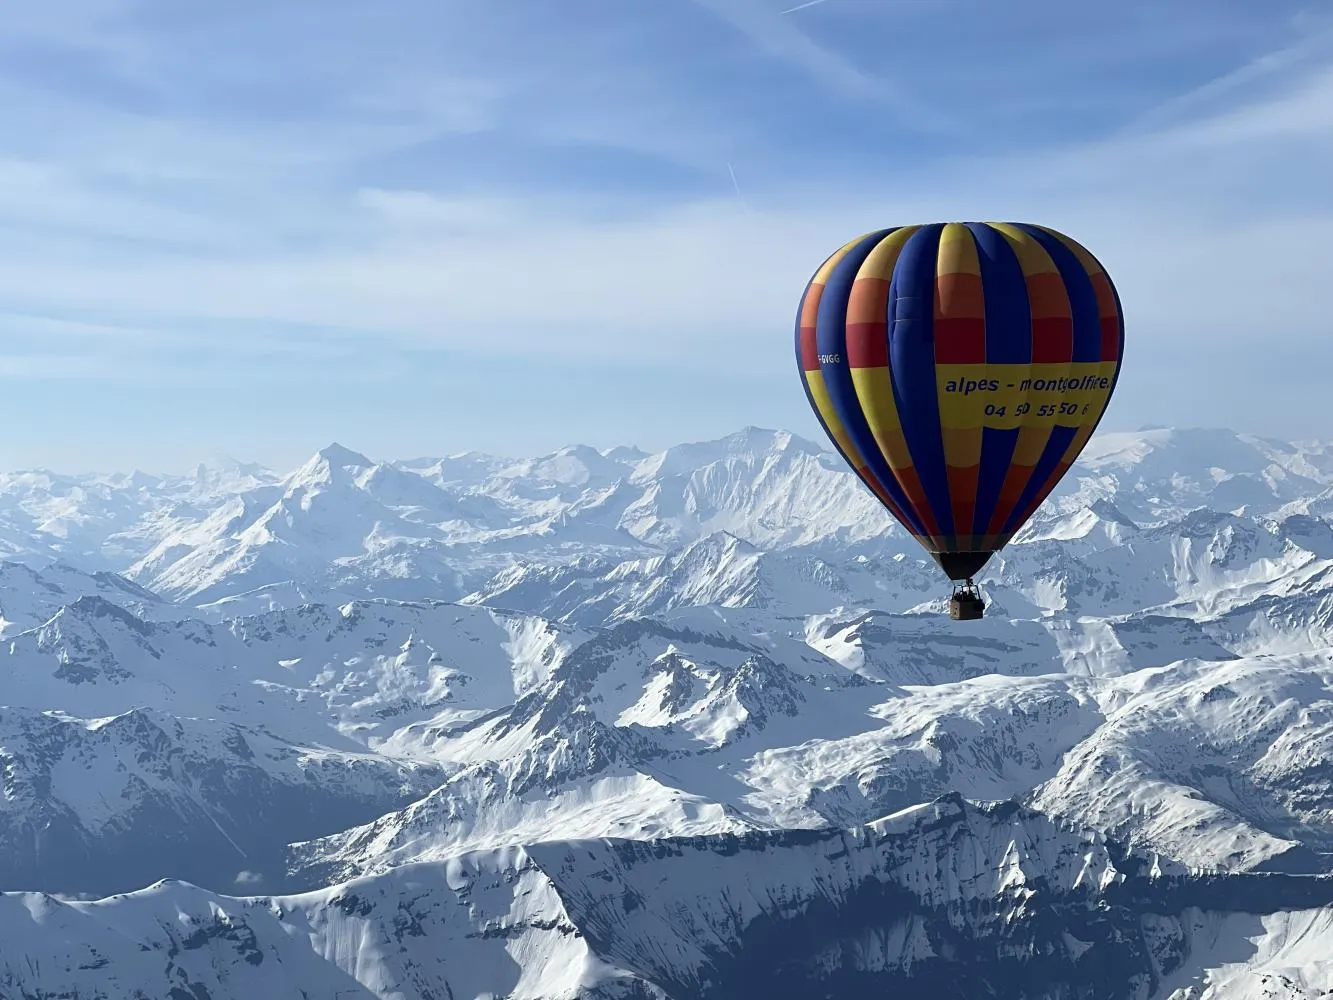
424	226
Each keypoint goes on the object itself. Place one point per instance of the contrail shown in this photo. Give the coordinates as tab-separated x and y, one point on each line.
811	3
739	197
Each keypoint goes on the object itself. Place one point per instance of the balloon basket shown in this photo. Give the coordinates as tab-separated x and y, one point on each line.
966	604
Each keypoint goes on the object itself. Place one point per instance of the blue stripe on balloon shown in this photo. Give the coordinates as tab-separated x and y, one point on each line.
1008	341
912	366
1055	450
1083	306
997	454
1005	290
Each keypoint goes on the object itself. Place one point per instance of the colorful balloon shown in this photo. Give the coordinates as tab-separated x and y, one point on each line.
960	368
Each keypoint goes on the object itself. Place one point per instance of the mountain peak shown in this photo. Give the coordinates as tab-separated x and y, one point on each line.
624	453
224	463
331	464
337	455
752	438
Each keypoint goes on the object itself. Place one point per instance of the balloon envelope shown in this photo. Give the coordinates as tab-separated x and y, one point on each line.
960	368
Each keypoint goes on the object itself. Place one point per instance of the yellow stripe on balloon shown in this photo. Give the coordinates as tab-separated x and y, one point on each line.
874	385
814	380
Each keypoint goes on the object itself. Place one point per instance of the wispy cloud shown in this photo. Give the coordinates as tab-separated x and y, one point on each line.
780	37
1312	49
552	189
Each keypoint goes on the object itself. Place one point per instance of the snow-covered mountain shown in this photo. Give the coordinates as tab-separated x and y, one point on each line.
107	805
761	518
30	597
941	900
636	720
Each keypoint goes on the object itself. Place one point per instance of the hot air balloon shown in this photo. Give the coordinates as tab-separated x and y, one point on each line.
959	369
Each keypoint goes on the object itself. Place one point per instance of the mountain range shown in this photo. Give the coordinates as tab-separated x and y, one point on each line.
606	724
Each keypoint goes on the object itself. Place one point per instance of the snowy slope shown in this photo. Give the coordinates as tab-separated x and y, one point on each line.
235	673
652	728
626	736
259	733
29	597
882	909
718	570
337	520
108	805
105	522
1215	764
1242	956
348	674
760	518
